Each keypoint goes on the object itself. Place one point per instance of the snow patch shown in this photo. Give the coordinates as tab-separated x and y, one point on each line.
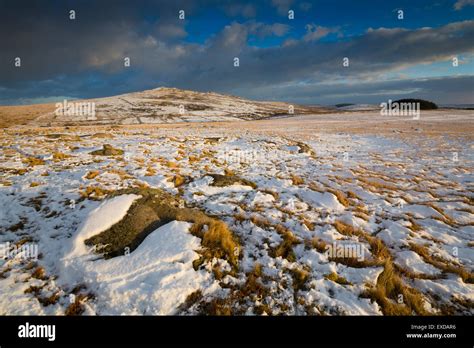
154	279
100	219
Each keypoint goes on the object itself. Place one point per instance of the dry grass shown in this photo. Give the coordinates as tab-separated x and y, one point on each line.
171	164
193	158
261	222
341	197
346	229
92	174
33	289
285	248
442	264
179	180
240	217
22	114
33	161
296	180
107	150
445	217
300	277
191	300
39	273
377	247
150	171
309	225
227	180
229	172
211	140
220	242
217	307
374	185
390	289
318	244
76	308
18	226
413	225
94	192
362	216
20	171
275	194
49	300
315	187
121	173
234	303
337	278
412	275
352	195
59	156
305	148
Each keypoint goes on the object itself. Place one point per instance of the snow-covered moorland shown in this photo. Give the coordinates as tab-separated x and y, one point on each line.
227	221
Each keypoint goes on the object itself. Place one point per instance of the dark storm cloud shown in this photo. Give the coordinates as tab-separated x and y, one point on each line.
104	32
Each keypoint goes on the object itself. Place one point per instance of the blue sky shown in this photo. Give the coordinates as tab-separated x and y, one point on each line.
354	17
297	60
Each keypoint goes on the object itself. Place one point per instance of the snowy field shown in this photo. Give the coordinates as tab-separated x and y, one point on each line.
235	221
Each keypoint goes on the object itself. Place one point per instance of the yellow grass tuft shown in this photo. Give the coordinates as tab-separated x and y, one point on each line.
121	173
218	241
341	197
378	185
150	171
228	172
300	277
377	247
59	156
394	296
33	161
92	174
94	192
193	158
297	180
178	180
337	278
352	195
171	164
39	273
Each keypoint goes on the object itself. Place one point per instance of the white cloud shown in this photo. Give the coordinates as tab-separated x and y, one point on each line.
316	32
462	3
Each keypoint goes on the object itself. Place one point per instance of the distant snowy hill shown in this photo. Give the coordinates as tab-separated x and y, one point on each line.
169	105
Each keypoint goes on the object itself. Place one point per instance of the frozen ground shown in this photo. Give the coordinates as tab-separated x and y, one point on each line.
397	204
